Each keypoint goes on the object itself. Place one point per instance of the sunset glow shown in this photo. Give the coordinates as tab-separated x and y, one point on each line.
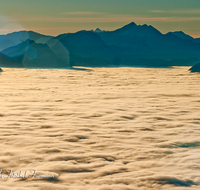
63	16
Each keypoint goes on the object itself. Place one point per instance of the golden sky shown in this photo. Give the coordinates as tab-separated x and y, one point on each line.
63	16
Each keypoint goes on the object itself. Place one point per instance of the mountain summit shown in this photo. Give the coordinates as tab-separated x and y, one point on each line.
98	30
134	28
129	26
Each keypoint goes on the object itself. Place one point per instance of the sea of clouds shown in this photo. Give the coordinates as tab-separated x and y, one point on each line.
100	129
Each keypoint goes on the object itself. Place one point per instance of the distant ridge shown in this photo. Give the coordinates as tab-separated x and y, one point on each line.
16	38
128	27
195	68
87	49
184	36
130	45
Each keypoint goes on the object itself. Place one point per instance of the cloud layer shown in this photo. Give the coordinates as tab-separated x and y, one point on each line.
107	128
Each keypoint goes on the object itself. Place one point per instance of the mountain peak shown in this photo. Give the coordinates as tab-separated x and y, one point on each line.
132	23
135	29
145	25
182	35
128	27
98	30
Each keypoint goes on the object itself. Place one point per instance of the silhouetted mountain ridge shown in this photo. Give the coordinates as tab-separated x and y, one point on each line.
87	49
16	38
131	45
184	36
195	68
30	54
145	42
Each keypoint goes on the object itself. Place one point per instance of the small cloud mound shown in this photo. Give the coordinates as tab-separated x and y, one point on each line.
174	181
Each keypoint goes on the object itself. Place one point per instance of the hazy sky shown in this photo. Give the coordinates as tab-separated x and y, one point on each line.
61	16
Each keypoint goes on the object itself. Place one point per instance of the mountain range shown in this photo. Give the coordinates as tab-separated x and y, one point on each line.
131	45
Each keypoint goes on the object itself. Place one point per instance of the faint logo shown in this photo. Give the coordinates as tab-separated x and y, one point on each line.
26	174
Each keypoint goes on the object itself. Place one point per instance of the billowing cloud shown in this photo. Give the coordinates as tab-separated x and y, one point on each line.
105	129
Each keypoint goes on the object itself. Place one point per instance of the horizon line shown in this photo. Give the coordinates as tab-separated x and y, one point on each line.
77	29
